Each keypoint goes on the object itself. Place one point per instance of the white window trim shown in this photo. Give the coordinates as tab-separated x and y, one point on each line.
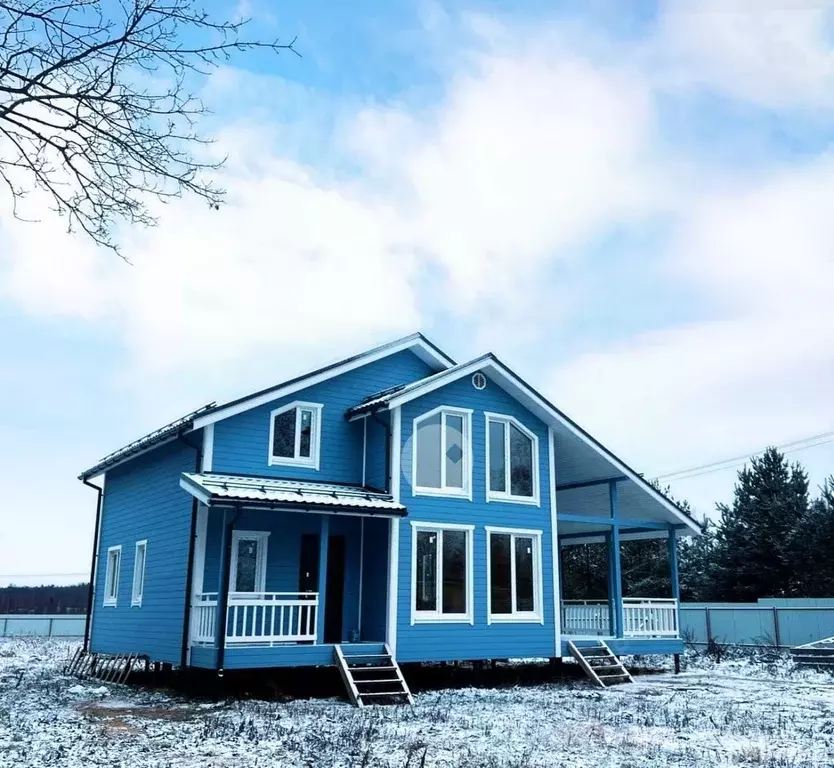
516	617
506	496
436	616
443	490
136	593
111	598
262	537
311	461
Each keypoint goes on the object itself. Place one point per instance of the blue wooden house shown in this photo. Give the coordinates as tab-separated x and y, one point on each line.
394	505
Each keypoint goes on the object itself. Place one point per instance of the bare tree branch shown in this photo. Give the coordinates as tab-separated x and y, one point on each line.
96	109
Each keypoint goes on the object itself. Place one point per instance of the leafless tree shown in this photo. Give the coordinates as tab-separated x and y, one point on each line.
98	107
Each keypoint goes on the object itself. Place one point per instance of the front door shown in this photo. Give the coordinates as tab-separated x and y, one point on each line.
335	589
308	566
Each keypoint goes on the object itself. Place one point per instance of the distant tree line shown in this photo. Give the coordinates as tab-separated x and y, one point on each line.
44	599
775	539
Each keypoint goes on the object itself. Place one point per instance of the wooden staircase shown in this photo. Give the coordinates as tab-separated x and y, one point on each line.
819	654
108	668
372	676
600	663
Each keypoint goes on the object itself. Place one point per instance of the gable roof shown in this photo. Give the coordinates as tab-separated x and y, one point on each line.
208	414
534	401
394	396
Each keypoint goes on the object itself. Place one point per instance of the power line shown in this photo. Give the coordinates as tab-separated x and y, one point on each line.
718	466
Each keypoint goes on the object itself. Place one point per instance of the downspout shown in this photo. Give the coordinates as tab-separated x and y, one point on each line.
223	595
91	588
189	571
387	428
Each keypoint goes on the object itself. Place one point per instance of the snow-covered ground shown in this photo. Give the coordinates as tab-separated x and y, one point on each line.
737	713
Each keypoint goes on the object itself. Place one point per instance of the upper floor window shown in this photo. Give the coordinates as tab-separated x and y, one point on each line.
512	461
295	435
111	576
442	463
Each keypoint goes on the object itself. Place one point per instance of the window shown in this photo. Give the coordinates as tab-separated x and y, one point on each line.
111	576
515	575
139	573
248	566
441	559
512	456
295	435
441	459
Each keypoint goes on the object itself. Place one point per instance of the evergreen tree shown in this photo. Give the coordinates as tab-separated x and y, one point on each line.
811	547
696	565
584	572
752	551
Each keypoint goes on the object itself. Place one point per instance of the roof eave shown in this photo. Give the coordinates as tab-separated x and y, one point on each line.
414	342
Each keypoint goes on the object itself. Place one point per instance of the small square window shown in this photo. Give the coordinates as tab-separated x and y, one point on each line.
295	435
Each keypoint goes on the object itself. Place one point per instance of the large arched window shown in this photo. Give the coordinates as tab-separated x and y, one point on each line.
442	464
512	460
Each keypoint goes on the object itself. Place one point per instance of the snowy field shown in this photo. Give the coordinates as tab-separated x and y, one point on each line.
737	713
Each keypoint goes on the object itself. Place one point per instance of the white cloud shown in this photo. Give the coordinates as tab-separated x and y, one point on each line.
777	54
531	150
760	369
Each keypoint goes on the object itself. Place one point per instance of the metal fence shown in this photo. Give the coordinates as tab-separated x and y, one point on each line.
782	623
42	625
774	622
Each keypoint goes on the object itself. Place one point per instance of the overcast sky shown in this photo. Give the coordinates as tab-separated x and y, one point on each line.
633	210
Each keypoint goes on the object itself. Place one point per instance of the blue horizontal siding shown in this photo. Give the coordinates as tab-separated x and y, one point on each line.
241	442
143	500
447	642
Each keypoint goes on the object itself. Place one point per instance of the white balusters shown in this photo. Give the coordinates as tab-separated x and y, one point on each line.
258	617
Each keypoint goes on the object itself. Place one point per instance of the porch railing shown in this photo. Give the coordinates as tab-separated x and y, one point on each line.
650	617
258	617
642	617
585	617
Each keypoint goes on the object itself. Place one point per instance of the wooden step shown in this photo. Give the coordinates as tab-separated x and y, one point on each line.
349	672
610	672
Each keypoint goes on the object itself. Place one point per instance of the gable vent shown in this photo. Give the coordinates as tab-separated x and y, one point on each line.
479	380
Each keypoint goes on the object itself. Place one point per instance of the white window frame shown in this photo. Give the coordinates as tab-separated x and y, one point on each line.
536	616
311	461
138	590
437	616
111	577
444	490
506	496
262	537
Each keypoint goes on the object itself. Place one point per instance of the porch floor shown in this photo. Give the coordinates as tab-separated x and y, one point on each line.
264	656
627	646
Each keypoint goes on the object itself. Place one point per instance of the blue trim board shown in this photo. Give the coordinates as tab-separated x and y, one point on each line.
632	646
261	657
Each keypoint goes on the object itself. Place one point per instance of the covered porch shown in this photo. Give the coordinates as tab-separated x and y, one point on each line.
285	571
597	520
